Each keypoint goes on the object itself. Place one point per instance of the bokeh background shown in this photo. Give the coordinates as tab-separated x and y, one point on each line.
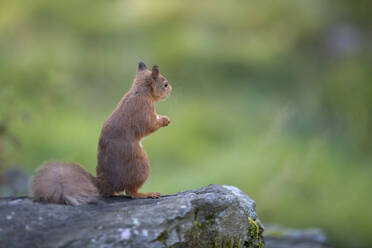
274	97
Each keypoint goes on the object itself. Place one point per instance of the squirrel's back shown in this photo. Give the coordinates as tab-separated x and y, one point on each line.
64	183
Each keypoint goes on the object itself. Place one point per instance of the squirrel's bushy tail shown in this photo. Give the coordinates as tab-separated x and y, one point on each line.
64	183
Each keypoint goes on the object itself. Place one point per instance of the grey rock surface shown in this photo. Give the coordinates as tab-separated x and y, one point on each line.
213	216
281	237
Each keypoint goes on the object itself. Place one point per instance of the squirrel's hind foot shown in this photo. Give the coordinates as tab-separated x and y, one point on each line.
143	195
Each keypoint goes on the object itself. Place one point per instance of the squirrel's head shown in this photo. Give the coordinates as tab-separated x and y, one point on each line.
157	84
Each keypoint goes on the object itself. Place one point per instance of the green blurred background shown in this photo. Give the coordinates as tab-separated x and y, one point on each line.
274	97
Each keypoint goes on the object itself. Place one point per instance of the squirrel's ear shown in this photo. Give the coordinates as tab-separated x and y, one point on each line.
155	71
141	66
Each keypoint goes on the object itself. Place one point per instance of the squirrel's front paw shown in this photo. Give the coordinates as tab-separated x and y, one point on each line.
164	121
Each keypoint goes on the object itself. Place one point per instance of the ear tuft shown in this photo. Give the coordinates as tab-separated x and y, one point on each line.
141	66
155	71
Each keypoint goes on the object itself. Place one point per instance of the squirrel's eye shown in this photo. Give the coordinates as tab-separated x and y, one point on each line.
165	84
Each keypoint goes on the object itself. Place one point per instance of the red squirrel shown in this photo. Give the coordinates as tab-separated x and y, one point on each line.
122	163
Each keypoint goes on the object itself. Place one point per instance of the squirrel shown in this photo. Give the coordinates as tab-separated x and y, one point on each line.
122	163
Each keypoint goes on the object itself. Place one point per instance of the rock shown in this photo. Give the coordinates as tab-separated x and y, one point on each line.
281	237
213	216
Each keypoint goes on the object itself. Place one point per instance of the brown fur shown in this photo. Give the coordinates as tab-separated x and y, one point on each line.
122	163
65	183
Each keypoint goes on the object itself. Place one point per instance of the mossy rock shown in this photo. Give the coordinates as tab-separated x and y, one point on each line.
213	216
